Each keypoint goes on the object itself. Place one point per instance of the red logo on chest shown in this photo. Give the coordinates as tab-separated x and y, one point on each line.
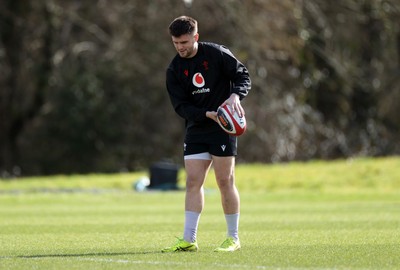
198	80
205	65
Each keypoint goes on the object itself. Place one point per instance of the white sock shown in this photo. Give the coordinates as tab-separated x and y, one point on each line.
191	224
232	224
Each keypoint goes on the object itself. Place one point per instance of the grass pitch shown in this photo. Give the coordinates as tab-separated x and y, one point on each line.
284	226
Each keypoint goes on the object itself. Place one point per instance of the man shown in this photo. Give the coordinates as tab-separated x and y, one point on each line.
200	78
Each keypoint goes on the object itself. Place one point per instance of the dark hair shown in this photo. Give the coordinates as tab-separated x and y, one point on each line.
182	25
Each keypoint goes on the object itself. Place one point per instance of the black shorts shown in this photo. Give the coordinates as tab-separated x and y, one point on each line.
225	148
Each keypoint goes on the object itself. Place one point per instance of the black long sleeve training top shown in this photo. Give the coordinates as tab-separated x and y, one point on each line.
202	83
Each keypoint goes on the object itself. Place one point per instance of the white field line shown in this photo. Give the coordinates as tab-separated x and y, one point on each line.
228	266
171	263
123	261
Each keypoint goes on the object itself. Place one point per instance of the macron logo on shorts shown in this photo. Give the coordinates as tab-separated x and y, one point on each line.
223	147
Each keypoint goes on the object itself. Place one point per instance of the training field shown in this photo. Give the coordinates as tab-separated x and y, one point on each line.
347	220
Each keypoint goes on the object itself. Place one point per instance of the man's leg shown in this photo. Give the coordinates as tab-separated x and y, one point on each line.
224	168
196	171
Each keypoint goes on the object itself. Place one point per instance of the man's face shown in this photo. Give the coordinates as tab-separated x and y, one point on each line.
186	45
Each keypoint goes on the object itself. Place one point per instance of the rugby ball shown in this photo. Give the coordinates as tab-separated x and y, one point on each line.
230	122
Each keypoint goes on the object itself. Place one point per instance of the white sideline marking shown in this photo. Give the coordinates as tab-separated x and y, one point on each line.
172	263
213	264
242	266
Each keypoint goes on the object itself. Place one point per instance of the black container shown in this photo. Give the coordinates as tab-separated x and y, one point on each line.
164	175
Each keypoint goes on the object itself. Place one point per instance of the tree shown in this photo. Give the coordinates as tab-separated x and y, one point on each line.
347	68
82	83
23	62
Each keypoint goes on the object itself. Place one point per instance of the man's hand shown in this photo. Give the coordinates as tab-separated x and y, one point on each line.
234	102
212	115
